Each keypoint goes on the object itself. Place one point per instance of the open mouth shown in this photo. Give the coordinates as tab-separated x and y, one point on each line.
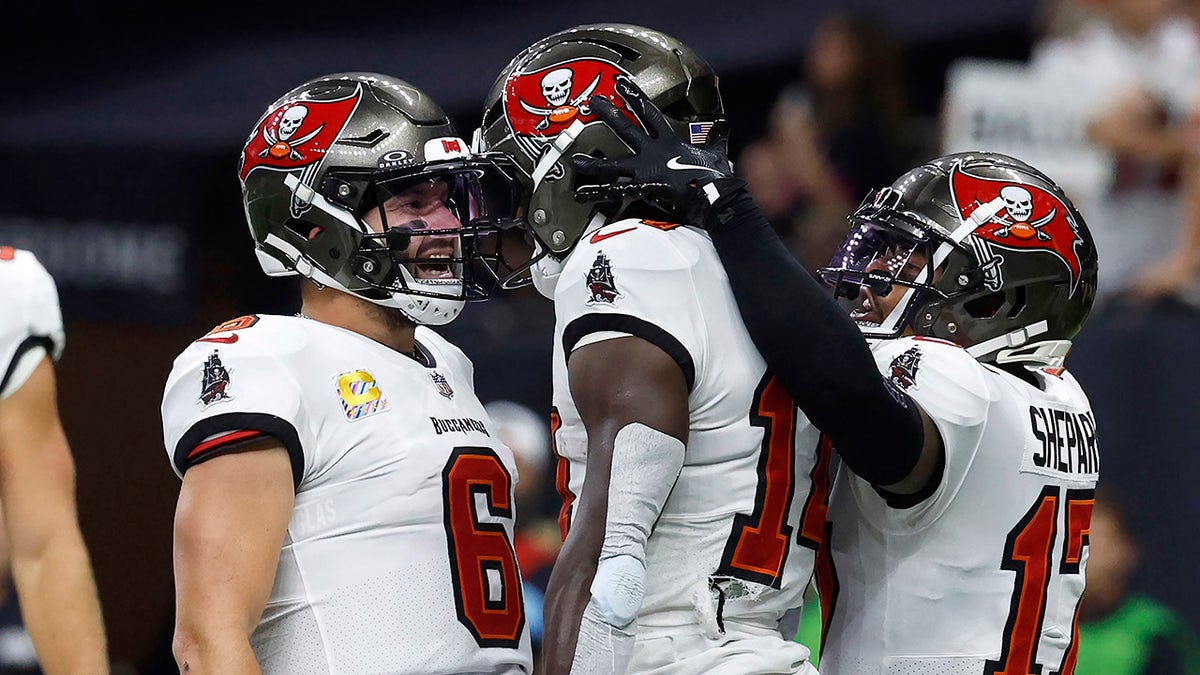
434	270
866	314
431	266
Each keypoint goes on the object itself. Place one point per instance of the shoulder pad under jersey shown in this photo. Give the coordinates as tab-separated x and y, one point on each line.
30	318
638	279
947	382
232	385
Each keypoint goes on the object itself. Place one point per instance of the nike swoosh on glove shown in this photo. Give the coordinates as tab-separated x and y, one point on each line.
663	170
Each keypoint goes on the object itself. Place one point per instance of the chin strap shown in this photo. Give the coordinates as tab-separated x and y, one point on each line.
1017	347
555	152
1016	338
545	267
1046	354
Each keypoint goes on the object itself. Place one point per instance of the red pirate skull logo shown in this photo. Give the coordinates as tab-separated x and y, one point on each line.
296	133
542	103
1018	217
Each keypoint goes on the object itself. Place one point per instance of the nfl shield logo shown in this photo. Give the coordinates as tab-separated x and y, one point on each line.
442	385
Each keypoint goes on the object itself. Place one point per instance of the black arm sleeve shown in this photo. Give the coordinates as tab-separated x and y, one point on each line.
813	346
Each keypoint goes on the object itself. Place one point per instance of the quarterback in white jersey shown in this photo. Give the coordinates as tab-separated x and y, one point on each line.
346	506
397	555
43	548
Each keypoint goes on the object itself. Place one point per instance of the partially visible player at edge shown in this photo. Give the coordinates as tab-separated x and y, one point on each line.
970	274
694	492
344	505
50	563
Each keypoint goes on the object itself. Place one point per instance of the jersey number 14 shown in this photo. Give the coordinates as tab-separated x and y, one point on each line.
759	543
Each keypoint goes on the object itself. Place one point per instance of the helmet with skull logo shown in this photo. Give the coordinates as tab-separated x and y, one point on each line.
980	249
537	112
337	148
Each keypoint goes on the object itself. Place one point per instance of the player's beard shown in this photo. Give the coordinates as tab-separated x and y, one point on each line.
393	319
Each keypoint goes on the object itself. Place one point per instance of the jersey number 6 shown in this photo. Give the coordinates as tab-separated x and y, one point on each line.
476	494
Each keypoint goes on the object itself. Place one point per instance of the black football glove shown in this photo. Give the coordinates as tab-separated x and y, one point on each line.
663	170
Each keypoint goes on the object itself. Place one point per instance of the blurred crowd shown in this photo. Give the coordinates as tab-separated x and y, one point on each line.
845	125
1144	56
836	131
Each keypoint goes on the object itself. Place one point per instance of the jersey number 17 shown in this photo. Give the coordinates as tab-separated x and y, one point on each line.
1030	552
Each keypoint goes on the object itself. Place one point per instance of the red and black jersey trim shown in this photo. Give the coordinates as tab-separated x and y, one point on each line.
28	343
623	323
222	434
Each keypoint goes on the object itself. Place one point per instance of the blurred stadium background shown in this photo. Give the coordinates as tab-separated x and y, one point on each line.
119	137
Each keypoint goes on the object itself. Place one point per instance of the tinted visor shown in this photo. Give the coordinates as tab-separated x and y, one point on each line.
876	256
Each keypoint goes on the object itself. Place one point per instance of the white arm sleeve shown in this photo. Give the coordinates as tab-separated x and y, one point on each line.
645	465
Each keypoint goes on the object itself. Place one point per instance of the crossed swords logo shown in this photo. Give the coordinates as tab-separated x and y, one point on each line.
565	112
1018	206
284	145
1006	226
1018	203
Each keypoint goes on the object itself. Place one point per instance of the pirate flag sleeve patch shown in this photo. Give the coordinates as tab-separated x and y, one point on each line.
221	397
954	391
628	278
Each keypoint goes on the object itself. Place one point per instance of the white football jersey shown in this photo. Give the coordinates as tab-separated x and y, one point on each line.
736	539
30	319
985	574
398	557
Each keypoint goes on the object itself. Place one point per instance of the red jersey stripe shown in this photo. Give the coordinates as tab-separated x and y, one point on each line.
224	439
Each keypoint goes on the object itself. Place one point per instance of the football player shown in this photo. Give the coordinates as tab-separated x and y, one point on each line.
50	565
345	505
693	491
970	274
